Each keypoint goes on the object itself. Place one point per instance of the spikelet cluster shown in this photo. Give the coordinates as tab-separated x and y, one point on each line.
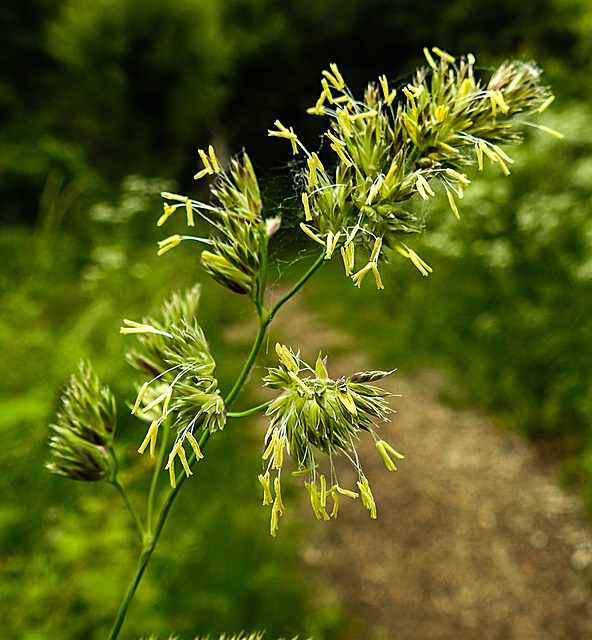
392	149
182	388
237	246
317	415
82	435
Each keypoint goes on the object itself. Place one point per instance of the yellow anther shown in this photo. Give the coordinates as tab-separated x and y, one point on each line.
327	91
428	57
443	55
550	131
386	451
168	212
331	243
206	162
346	492
194	445
335	509
183	457
347	253
284	132
173	196
189	212
313	164
265	483
268	449
311	234
377	277
342	155
367	497
323	492
307	213
423	187
335	139
318	109
344	120
479	152
277	486
168	243
389	96
453	204
164	398
213	160
497	100
315	501
361	274
545	104
488	152
499	151
505	169
422	266
139	398
334	77
364	114
317	162
459	176
172	478
136	327
150	438
376	250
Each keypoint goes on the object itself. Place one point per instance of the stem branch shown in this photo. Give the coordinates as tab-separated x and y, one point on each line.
151	536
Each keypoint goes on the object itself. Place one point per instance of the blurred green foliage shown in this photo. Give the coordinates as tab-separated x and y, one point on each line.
96	93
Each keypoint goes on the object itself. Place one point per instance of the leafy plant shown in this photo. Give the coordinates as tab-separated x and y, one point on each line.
359	195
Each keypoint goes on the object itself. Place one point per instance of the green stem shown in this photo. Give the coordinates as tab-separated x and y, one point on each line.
131	590
170	498
150	537
248	412
264	319
115	482
303	280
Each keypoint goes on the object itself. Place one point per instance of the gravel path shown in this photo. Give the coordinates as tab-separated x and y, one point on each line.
475	538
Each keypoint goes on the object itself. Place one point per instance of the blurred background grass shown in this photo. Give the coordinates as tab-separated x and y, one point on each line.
103	105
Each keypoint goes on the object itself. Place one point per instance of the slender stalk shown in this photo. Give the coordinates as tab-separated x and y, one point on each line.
248	412
264	320
115	482
150	539
174	492
129	594
303	280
